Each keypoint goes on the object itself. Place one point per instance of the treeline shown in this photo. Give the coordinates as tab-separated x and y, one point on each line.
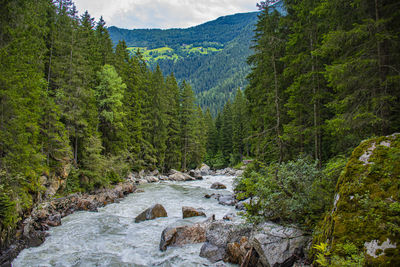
214	77
227	135
70	103
325	76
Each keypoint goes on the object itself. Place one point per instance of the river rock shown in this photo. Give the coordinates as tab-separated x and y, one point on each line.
219	234
155	211
151	179
229	217
227	200
204	169
277	244
180	176
241	204
196	174
218	185
188	212
212	252
178	236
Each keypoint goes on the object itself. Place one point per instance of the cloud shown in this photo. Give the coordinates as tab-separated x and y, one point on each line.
162	13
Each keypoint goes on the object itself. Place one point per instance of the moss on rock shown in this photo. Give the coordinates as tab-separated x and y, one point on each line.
366	210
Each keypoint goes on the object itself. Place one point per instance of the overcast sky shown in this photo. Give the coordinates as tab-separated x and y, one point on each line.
164	14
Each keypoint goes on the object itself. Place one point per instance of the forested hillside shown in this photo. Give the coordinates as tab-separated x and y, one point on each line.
211	57
77	113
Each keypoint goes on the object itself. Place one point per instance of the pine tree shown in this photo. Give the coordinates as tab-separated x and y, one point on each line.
239	127
187	122
109	94
173	142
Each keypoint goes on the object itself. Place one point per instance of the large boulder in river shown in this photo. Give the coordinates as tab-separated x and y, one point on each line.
178	236
366	207
188	212
155	211
227	200
265	245
204	169
180	176
218	185
219	235
277	245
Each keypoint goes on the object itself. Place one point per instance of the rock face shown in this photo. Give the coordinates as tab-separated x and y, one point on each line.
265	245
218	185
368	188
188	212
155	211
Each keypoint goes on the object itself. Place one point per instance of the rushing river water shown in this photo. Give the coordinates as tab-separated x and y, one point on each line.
110	237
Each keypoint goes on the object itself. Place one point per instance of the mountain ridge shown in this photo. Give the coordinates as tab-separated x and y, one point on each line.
211	56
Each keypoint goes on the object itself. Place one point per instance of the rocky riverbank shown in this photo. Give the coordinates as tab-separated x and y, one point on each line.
47	214
32	231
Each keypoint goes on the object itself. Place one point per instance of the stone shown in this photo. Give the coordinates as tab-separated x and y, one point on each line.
188	212
219	234
151	179
212	253
180	176
178	236
218	185
241	204
196	174
276	244
367	188
155	211
229	217
204	169
227	200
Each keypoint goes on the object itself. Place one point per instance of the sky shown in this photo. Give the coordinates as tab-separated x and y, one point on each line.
163	14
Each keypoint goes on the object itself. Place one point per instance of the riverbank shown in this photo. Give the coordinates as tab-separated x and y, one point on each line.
32	231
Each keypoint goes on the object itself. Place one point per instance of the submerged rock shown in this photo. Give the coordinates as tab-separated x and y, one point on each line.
188	212
366	206
155	211
218	185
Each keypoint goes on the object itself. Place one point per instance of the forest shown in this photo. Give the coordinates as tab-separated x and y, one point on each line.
324	76
214	76
71	101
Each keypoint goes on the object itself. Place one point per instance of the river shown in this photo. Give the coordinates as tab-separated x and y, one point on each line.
110	237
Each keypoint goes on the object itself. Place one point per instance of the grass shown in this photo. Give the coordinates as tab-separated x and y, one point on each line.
153	55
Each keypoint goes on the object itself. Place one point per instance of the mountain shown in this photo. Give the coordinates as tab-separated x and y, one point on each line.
211	57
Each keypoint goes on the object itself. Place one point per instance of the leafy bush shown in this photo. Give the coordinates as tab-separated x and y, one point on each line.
292	192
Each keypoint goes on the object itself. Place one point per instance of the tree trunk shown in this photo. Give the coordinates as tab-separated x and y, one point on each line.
278	112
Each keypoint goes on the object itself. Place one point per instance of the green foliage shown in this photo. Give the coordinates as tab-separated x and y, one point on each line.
352	257
291	192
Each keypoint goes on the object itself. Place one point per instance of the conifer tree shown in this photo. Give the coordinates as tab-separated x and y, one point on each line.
173	142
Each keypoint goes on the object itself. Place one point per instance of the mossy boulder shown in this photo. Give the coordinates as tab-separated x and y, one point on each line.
366	208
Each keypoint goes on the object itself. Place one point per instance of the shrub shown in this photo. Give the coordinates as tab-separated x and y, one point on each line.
292	192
